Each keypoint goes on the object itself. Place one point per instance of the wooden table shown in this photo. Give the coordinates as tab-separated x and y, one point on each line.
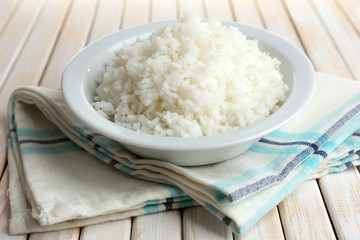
38	37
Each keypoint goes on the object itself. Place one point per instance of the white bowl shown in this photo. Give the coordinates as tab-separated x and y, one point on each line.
78	86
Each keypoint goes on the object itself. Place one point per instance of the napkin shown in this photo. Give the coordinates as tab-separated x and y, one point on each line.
63	174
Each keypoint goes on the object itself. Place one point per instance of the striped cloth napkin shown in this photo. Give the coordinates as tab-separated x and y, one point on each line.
57	180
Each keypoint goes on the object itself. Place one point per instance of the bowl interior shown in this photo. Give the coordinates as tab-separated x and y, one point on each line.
79	85
96	65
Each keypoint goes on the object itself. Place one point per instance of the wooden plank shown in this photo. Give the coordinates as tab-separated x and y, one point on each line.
198	223
338	27
5	210
107	20
69	234
276	19
163	225
352	10
72	39
15	33
342	197
7	10
136	12
106	231
191	6
316	39
220	10
32	61
163	10
303	217
266	228
246	12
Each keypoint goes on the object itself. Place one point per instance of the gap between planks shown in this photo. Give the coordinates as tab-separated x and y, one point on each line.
338	26
16	33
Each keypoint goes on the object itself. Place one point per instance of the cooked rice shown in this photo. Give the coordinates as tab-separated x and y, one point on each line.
190	79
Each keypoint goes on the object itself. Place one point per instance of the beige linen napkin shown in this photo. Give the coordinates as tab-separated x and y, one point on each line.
58	178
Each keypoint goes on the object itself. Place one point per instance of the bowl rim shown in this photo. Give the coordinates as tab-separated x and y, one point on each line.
300	96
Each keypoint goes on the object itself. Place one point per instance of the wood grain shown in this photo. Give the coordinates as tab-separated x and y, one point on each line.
7	10
34	57
136	12
5	210
72	39
338	26
107	20
198	223
69	234
317	42
304	215
106	231
191	6
342	197
15	33
163	10
246	12
269	228
220	10
277	19
159	226
352	11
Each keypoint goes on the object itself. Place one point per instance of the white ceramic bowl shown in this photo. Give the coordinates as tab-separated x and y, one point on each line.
78	86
